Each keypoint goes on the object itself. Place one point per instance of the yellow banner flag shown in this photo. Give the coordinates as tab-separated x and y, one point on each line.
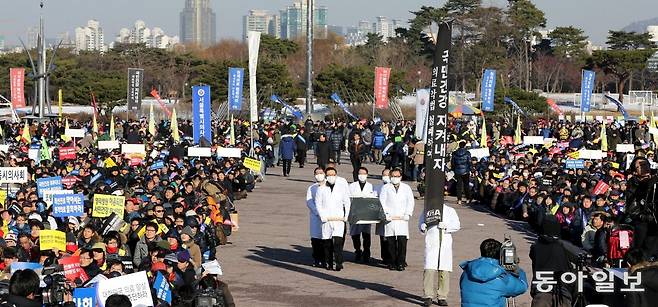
59	93
483	137
65	137
49	239
252	164
517	134
604	138
25	136
174	127
104	205
152	122
574	155
109	162
95	125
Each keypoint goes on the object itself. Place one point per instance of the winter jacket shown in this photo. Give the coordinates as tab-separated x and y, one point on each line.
142	250
649	296
336	139
323	152
378	140
485	283
287	147
461	161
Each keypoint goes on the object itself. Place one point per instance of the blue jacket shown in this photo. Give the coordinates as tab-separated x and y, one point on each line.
485	283
461	161
287	147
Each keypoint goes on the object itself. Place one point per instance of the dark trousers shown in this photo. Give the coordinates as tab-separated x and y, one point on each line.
301	157
318	250
356	164
463	186
397	248
645	237
335	154
286	166
383	244
356	240
333	250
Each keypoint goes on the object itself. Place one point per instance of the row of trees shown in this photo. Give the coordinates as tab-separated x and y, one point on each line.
506	39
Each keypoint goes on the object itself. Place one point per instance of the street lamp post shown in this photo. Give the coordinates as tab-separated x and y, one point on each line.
309	57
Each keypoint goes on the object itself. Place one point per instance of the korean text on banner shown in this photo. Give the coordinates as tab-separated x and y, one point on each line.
382	76
436	154
625	148
252	164
253	38
49	239
135	286
104	205
199	152
488	89
75	133
135	81
479	153
586	88
235	85
72	269
48	195
68	205
533	140
48	184
108	144
17	83
133	149
162	288
201	110
84	297
555	107
67	153
13	175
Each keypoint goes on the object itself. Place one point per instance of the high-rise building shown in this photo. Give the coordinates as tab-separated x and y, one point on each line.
2	43
261	21
198	23
293	21
382	27
90	37
141	34
365	27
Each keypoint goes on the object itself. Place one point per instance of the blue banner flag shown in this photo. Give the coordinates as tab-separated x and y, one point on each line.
586	88
342	105
514	105
574	164
68	205
157	165
235	85
201	110
619	106
294	111
48	184
84	297
488	90
162	288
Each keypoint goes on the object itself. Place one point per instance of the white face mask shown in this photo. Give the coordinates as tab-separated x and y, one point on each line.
386	179
331	179
396	180
319	177
363	178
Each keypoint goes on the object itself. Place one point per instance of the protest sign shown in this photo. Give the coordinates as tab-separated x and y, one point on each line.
252	164
104	205
49	239
479	153
13	175
199	152
600	188
162	289
72	269
33	154
49	184
50	194
574	164
66	153
533	140
68	204
3	197
213	267
653	130
69	181
229	152
625	148
108	145
75	133
84	297
15	266
133	148
157	165
4	148
135	161
135	286
588	154
629	160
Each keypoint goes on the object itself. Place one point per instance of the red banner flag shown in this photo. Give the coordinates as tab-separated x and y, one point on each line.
600	188
156	95
17	82
72	269
66	153
382	75
554	106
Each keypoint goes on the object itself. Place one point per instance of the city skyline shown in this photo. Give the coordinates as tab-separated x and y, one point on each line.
21	15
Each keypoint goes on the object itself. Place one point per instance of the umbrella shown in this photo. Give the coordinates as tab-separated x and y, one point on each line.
460	109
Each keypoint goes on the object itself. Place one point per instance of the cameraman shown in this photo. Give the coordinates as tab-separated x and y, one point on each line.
24	288
485	282
212	286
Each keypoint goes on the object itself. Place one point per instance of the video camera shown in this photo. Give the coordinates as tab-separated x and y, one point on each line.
210	297
508	257
56	287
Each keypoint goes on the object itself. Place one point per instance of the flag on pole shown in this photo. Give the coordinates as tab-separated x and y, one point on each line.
44	153
517	134
151	121
2	133
65	137
112	135
604	138
483	137
59	94
95	125
174	127
25	136
232	141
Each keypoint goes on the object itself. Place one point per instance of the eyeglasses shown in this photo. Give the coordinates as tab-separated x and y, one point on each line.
150	230
159	211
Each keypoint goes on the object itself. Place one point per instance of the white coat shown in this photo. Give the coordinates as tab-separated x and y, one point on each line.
379	228
333	204
356	192
315	224
397	203
433	238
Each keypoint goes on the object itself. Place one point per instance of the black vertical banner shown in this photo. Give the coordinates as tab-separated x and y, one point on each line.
135	80
436	157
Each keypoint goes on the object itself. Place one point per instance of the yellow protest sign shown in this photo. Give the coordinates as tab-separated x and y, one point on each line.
574	155
614	165
104	205
162	228
252	164
3	197
109	163
49	239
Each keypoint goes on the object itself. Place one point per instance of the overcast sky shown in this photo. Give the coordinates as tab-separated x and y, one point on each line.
596	17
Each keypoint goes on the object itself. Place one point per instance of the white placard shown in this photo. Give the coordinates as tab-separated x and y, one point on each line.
133	148
13	175
625	148
229	152
199	152
533	140
108	145
479	153
48	195
135	286
4	148
33	154
213	267
75	133
561	117
599	118
610	119
653	130
579	118
588	154
629	160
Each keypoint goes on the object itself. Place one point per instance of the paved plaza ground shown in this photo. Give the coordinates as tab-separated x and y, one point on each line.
269	260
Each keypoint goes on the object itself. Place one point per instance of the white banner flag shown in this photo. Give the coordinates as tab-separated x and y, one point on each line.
422	102
254	45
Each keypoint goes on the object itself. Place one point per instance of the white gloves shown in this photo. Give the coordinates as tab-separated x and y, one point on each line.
423	227
405	217
443	225
324	219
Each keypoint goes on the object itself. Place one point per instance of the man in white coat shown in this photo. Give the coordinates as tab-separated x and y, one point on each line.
379	229
361	189
315	224
397	200
332	203
436	276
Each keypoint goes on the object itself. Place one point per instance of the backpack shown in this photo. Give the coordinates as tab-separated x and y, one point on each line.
378	140
617	250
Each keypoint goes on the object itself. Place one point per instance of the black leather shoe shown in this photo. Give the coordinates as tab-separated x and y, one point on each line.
400	268
339	267
357	255
391	267
427	302
329	267
442	303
